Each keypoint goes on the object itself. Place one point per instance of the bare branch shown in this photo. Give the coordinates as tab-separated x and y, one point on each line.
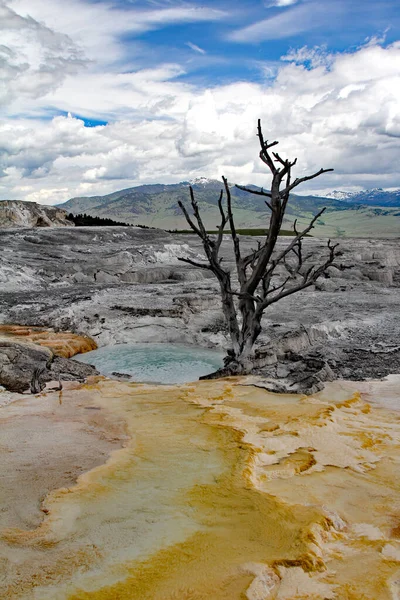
235	239
256	192
195	206
221	227
309	278
264	155
287	165
251	258
246	296
220	207
195	263
285	197
278	158
210	246
188	219
302	234
300	180
278	287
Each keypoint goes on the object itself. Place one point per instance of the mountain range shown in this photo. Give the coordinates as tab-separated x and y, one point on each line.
374	197
374	213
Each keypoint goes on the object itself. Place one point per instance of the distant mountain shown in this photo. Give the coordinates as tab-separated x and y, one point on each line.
374	197
156	205
17	213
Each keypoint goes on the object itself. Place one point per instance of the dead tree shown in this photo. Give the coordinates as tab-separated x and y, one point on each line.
258	283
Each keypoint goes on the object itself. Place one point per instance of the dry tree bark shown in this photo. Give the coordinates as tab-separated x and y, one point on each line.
37	384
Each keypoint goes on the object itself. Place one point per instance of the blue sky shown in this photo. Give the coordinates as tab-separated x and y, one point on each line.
232	54
101	95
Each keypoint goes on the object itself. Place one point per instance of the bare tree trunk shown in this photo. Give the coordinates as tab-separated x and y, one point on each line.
229	310
251	329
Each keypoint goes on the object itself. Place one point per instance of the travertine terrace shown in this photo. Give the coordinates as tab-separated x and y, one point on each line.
126	284
218	489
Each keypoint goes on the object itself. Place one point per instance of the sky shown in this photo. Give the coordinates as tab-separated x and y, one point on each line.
97	96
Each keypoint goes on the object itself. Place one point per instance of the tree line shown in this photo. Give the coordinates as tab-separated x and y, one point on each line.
84	220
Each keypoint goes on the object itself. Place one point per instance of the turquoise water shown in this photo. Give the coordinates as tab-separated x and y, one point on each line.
155	363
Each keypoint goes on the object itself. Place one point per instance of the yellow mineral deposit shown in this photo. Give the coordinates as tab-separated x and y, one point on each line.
222	491
62	343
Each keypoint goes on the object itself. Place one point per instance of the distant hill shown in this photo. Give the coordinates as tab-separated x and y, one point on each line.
156	205
17	213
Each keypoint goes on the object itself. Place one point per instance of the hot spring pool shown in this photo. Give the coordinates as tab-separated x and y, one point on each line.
155	363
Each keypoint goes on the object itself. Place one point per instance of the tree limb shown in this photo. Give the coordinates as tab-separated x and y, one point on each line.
194	263
300	180
188	219
235	239
221	227
196	212
256	192
301	235
309	278
264	155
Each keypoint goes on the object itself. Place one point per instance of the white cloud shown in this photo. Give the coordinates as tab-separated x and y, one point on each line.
34	59
44	44
195	48
340	111
299	19
97	27
281	3
314	57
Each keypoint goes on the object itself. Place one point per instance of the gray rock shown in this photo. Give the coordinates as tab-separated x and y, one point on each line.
282	371
327	285
103	277
68	369
22	362
123	376
382	275
82	278
18	362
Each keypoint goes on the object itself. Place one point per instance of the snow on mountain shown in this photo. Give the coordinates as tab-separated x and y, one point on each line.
374	197
201	181
340	195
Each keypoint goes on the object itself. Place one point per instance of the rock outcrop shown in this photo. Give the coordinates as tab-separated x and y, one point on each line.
17	213
18	363
30	357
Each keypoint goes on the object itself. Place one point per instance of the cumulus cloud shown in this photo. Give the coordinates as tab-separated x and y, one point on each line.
331	110
34	59
44	44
